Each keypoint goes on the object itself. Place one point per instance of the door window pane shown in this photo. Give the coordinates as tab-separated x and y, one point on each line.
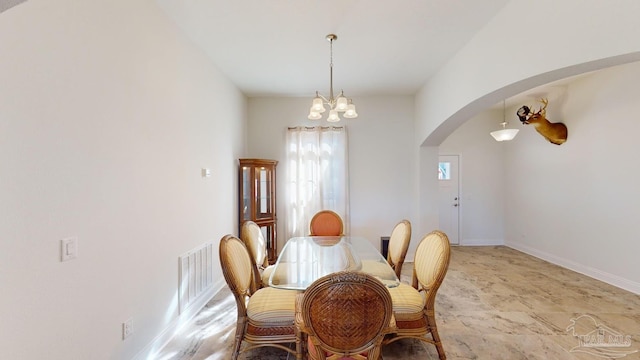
444	171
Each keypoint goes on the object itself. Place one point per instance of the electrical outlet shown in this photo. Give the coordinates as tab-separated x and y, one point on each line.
127	328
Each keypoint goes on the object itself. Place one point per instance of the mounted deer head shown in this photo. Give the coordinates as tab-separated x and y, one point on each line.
556	133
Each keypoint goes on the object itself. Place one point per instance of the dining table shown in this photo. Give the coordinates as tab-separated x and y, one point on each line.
307	258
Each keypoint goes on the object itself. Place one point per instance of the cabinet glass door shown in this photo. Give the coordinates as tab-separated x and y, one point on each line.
257	198
264	203
246	194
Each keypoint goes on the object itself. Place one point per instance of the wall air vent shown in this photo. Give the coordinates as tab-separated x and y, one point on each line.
195	275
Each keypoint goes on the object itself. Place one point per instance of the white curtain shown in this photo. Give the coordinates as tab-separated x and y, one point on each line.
317	176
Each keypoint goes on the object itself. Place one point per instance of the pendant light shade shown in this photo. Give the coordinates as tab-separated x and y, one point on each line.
317	105
504	134
351	112
333	116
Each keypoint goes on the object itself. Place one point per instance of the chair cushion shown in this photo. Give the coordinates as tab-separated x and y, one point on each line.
408	303
375	268
266	273
272	307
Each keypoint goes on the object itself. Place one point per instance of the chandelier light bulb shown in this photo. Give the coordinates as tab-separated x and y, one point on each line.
341	103
351	112
333	116
314	115
317	105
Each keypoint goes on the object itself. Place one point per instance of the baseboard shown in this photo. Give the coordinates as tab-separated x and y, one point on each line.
149	352
466	242
597	274
481	242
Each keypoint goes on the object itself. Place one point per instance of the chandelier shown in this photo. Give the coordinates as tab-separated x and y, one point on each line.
504	134
335	105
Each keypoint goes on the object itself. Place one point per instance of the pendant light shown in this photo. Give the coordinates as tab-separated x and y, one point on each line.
335	105
504	134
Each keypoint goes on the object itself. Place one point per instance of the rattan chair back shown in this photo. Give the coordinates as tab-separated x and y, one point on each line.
347	314
326	223
253	239
431	263
398	245
237	269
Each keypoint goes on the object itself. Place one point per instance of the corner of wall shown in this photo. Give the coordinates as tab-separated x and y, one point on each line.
608	278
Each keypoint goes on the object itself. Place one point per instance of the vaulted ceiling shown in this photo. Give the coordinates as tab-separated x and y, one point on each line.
278	47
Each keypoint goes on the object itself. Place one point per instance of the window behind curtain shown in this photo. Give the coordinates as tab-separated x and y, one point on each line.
317	176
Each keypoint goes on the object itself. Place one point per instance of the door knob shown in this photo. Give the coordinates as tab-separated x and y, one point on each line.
455	205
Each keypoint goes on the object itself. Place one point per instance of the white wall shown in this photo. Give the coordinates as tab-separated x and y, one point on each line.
514	53
577	204
108	114
481	177
426	190
381	157
574	204
527	44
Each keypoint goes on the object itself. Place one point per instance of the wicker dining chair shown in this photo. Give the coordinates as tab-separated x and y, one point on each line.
398	245
345	315
326	223
413	306
253	238
265	316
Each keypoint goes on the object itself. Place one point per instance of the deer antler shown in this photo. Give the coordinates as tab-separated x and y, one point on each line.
543	109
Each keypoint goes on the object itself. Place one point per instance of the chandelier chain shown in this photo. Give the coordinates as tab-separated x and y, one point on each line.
331	100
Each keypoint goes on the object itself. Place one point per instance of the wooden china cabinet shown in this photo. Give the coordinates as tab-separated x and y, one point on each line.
257	202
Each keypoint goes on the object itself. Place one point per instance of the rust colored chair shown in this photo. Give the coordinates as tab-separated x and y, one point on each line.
252	237
326	223
265	316
413	306
345	315
398	245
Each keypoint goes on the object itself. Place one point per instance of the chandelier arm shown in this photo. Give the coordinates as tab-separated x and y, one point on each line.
323	98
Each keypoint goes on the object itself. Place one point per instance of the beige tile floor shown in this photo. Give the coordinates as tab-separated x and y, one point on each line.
495	303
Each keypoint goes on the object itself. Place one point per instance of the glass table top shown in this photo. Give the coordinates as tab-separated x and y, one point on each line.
306	259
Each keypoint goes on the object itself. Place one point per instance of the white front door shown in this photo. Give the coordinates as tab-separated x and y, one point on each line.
449	197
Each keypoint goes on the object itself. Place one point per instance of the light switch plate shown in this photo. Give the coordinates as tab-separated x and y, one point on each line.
68	249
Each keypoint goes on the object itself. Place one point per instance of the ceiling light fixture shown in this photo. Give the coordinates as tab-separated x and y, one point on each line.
504	134
341	104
